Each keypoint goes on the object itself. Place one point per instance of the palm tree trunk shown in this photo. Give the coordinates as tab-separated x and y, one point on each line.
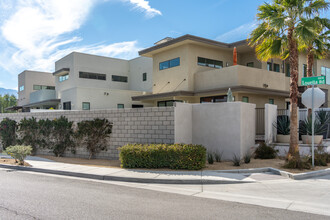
293	153
310	62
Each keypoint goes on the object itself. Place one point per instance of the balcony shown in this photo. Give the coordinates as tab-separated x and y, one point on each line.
42	95
242	77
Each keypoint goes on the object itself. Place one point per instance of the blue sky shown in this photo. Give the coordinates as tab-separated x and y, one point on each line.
36	33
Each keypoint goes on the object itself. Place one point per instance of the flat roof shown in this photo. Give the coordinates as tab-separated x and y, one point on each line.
189	37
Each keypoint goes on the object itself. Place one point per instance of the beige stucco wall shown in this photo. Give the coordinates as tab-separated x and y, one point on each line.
137	67
220	127
30	78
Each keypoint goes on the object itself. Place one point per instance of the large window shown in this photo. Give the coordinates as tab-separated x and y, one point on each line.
287	71
41	87
269	66
63	77
144	77
276	67
66	105
209	63
119	78
168	103
305	70
21	88
169	63
86	75
325	71
221	98
86	106
250	64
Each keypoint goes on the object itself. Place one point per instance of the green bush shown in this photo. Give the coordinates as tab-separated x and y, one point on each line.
236	160
28	131
175	156
210	158
321	158
8	132
264	151
94	135
19	152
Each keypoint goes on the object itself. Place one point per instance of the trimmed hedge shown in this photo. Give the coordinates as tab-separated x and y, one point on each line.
175	156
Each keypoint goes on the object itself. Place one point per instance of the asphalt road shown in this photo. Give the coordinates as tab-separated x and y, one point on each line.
33	196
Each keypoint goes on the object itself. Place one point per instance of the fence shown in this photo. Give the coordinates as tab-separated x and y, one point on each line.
145	125
260	121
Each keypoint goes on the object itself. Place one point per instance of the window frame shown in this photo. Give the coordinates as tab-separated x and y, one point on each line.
63	78
245	97
271	101
21	88
144	77
247	64
123	106
118	78
276	65
169	64
89	75
217	64
89	106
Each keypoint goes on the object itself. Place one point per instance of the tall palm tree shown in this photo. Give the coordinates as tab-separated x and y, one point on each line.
276	36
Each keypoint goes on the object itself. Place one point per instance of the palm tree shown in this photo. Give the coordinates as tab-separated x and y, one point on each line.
314	34
276	36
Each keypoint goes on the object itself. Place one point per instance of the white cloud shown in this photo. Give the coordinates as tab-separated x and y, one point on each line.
240	33
36	33
144	6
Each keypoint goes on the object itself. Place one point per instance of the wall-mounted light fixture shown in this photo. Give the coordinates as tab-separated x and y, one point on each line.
265	85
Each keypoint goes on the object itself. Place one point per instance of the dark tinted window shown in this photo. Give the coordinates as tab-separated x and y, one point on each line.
119	78
276	67
86	75
209	62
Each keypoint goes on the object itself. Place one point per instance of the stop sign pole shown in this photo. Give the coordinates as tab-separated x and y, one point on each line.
317	80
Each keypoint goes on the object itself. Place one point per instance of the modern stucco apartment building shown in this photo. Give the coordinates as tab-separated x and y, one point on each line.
83	82
185	69
194	69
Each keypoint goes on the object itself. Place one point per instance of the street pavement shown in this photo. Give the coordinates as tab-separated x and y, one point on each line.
26	195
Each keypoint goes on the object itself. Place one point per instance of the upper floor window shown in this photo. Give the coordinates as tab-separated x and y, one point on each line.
245	99
276	67
144	77
269	66
169	63
209	62
287	72
325	71
98	76
21	88
86	106
250	64
271	101
168	103
119	78
41	87
305	70
63	77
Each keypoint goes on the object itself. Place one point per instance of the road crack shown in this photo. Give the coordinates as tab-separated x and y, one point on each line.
17	213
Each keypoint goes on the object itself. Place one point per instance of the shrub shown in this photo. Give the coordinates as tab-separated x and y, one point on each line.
305	127
282	125
264	151
61	136
19	152
28	130
210	158
321	158
247	157
8	132
236	161
94	134
218	156
293	163
175	156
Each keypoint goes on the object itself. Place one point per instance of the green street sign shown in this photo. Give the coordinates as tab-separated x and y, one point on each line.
314	80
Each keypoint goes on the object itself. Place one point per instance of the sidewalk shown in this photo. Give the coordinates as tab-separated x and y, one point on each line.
42	165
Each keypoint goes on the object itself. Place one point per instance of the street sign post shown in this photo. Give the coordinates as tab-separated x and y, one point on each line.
313	97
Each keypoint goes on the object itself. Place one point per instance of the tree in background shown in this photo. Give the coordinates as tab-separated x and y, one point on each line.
7	101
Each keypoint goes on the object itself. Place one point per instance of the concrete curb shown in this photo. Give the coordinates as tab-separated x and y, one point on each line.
200	180
123	179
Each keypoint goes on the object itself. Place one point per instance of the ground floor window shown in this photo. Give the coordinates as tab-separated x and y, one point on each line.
168	103
137	106
271	101
245	99
86	106
120	106
220	98
66	105
251	64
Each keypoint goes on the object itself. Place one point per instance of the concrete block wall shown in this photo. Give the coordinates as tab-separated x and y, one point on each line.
142	125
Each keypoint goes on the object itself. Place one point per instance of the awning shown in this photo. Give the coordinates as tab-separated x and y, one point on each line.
45	102
62	71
